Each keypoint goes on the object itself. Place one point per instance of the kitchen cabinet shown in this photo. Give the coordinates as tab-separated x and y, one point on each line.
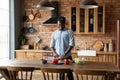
100	57
31	54
87	21
28	55
19	55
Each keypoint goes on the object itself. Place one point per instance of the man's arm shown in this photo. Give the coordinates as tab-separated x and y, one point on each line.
52	45
66	52
71	44
54	52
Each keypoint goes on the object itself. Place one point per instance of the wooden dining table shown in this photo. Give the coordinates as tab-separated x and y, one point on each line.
111	68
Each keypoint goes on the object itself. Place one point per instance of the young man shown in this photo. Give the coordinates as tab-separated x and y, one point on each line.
62	41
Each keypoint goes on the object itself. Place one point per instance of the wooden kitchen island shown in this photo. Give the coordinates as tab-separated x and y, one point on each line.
109	68
38	54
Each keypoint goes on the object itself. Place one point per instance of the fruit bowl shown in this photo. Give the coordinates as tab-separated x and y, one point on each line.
79	61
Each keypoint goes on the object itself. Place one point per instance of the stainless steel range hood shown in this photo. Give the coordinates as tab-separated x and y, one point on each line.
54	15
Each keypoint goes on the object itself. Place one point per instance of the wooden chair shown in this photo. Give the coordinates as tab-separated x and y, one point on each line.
53	74
1	76
116	75
90	75
20	73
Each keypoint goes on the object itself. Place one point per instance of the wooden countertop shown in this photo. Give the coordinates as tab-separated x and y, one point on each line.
46	51
106	66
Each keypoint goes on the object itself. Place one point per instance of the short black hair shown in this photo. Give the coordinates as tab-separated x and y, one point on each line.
61	19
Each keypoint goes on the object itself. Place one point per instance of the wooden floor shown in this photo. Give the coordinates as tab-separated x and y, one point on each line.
37	75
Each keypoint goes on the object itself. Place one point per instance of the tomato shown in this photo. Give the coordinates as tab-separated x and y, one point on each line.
66	61
55	60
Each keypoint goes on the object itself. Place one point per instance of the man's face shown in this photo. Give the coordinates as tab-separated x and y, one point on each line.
61	25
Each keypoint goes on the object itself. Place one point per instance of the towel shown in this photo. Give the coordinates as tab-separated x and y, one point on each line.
86	53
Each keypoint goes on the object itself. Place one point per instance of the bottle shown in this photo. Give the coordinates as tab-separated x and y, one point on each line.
105	47
35	45
110	47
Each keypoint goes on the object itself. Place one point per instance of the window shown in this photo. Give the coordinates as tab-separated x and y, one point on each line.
4	29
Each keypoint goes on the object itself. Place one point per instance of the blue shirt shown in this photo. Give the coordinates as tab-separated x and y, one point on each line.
61	40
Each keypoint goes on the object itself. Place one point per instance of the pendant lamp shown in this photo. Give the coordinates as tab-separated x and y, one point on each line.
45	5
88	4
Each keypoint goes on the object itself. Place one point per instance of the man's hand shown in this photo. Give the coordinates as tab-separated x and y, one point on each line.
62	57
54	52
55	55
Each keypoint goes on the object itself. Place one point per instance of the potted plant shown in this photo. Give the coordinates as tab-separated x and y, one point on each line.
23	40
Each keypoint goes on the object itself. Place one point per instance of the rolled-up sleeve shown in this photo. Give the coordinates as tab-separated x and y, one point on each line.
52	42
71	39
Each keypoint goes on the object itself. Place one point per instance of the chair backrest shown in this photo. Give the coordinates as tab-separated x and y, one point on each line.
20	73
89	75
1	77
54	74
116	75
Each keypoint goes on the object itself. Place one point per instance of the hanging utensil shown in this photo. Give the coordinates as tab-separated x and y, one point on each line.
37	14
37	39
31	15
24	29
25	18
31	29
